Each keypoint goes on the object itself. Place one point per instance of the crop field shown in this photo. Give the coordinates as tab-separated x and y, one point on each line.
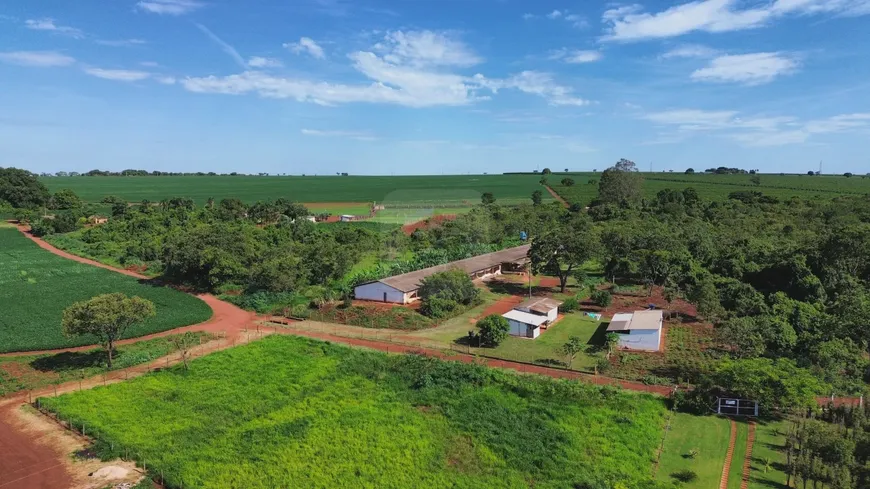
445	191
294	412
717	187
36	286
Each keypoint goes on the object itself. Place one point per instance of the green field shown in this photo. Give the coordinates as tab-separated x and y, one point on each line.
36	286
717	187
442	191
21	373
708	435
294	412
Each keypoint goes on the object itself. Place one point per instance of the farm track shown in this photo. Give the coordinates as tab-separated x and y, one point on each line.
747	460
557	196
726	468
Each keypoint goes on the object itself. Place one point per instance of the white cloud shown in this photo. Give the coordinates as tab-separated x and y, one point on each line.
631	24
359	136
150	64
166	80
528	16
49	25
118	75
260	62
306	45
226	47
690	51
169	7
121	42
750	69
426	48
583	57
412	69
554	14
43	59
535	83
753	131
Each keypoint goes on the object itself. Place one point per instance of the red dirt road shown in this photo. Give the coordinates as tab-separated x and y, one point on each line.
557	196
25	463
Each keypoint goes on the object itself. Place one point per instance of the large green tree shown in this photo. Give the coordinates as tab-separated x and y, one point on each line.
621	184
106	317
22	189
564	249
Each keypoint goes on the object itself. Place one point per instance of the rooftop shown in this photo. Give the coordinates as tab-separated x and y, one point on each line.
649	319
525	317
407	282
541	305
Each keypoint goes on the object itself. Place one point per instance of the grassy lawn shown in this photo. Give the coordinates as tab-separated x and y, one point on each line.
36	286
407	216
543	349
458	327
769	447
735	476
294	412
708	435
35	371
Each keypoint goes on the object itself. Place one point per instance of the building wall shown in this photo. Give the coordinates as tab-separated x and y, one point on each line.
523	330
641	339
375	292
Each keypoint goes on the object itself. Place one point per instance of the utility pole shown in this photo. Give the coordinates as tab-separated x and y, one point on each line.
820	166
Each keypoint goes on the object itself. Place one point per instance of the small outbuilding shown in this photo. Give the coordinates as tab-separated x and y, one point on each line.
95	219
640	330
346	218
527	319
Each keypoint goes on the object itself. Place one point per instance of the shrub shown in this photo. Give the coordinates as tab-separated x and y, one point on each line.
569	305
445	292
438	307
685	475
602	298
493	330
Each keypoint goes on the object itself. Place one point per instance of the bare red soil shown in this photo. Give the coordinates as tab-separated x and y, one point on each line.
500	306
409	229
556	196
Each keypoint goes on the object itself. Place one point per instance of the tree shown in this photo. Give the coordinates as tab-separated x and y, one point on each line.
755	180
65	199
543	181
444	292
487	198
566	170
848	174
184	343
493	330
546	171
106	317
537	197
690	171
570	349
568	182
601	298
22	189
611	341
621	184
562	250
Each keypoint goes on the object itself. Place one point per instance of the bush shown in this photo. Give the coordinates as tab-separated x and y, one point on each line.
685	475
445	292
601	298
438	307
493	330
569	305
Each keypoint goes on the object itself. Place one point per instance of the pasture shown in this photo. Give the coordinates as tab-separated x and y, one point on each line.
435	190
36	286
288	411
717	187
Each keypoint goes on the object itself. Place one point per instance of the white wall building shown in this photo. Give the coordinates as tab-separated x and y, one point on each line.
640	330
529	318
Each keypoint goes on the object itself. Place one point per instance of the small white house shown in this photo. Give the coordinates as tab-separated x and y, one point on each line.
641	330
527	319
346	218
524	324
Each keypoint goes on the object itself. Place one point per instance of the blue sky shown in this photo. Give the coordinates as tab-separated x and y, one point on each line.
433	86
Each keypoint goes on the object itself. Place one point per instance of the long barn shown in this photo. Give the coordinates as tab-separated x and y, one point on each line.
403	289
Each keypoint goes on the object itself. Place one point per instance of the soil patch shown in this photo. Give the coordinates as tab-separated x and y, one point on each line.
409	229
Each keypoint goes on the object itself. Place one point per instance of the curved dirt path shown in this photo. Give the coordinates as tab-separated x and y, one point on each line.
557	196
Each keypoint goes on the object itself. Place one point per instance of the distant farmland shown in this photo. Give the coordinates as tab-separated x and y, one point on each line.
717	187
429	191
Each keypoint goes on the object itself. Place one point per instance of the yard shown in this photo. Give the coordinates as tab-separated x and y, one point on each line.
36	286
544	349
707	437
287	411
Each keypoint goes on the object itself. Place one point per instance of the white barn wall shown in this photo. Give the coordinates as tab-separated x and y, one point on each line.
641	339
375	292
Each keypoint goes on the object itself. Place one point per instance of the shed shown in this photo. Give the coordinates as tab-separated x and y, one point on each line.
524	324
402	289
346	218
640	330
541	306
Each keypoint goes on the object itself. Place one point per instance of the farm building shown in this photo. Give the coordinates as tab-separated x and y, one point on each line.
641	330
527	319
402	289
95	219
346	218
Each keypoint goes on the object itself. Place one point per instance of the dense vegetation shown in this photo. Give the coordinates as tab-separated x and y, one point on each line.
36	286
294	412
